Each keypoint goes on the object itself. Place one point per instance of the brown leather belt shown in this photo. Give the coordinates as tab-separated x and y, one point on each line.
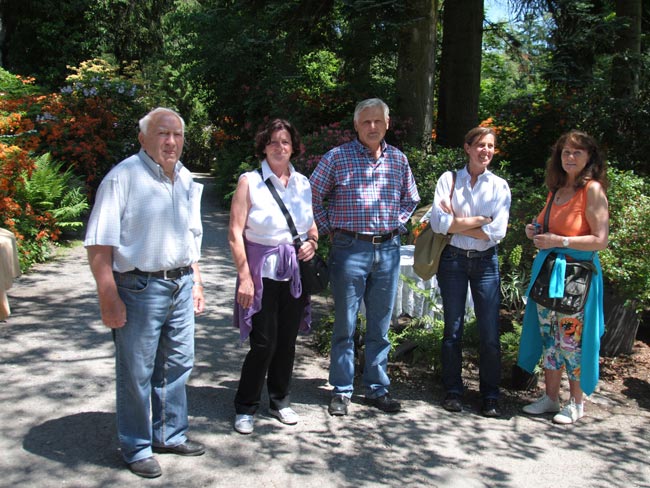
374	238
165	274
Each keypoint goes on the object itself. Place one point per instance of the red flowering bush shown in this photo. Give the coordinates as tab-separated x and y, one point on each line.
86	128
318	143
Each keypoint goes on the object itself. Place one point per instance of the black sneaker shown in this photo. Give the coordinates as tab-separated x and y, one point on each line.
491	408
453	402
338	405
385	403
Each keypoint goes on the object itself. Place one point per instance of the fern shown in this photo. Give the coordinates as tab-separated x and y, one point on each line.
49	188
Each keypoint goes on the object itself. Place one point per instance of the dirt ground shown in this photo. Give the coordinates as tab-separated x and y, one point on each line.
629	376
624	382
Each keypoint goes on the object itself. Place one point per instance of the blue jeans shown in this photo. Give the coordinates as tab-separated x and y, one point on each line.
456	270
362	270
154	354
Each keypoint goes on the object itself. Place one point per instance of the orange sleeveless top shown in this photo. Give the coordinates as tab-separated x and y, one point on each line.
569	219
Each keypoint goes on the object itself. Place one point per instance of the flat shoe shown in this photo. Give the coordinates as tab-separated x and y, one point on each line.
453	403
244	424
491	408
285	415
187	448
146	468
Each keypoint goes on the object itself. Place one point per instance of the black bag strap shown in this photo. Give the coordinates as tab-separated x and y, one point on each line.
547	215
292	227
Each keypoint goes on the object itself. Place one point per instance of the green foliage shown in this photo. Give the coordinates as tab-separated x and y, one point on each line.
322	334
510	346
514	283
51	188
43	37
427	168
320	71
426	335
53	198
129	31
514	56
626	261
13	86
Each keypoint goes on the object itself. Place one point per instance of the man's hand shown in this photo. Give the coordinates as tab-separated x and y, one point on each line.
112	309
199	299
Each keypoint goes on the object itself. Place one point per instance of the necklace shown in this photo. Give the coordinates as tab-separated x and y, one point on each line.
564	195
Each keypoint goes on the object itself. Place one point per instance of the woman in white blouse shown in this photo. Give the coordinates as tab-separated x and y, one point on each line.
477	216
270	306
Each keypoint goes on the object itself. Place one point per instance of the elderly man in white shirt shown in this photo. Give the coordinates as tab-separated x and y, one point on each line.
143	241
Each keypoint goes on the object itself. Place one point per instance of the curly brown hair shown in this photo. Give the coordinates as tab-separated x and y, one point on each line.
595	169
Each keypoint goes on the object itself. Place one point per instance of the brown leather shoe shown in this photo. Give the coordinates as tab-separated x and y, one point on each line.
146	468
187	448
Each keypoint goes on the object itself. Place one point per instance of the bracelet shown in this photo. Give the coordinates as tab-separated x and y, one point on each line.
198	283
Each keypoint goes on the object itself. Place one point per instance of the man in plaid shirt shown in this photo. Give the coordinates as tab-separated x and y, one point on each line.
363	194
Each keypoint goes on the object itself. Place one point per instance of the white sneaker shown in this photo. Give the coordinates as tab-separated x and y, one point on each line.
285	415
244	423
571	413
543	405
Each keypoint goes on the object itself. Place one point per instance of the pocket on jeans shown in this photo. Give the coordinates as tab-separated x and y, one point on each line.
131	282
342	240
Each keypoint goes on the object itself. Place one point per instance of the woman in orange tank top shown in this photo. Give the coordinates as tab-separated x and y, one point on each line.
576	176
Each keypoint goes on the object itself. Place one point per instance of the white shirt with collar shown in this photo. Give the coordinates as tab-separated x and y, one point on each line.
266	223
152	223
490	197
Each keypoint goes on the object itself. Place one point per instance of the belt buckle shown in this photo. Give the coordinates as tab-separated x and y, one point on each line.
174	274
377	239
469	253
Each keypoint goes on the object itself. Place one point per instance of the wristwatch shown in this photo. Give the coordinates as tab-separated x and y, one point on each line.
565	241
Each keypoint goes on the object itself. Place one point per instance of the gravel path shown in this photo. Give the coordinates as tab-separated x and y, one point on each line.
57	421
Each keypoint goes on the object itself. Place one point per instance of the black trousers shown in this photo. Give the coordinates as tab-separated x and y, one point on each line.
272	349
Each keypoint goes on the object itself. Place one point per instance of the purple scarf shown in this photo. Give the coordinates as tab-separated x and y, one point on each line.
256	255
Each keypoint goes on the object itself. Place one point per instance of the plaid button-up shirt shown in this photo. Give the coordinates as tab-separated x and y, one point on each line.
353	191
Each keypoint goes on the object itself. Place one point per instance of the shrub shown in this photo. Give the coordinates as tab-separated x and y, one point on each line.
626	261
53	201
92	124
427	168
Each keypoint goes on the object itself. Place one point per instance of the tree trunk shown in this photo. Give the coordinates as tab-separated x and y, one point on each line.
627	60
621	325
415	70
460	71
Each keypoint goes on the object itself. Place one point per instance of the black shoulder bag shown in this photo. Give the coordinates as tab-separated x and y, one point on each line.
577	280
314	273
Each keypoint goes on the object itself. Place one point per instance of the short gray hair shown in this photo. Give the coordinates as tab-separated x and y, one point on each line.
144	121
370	103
